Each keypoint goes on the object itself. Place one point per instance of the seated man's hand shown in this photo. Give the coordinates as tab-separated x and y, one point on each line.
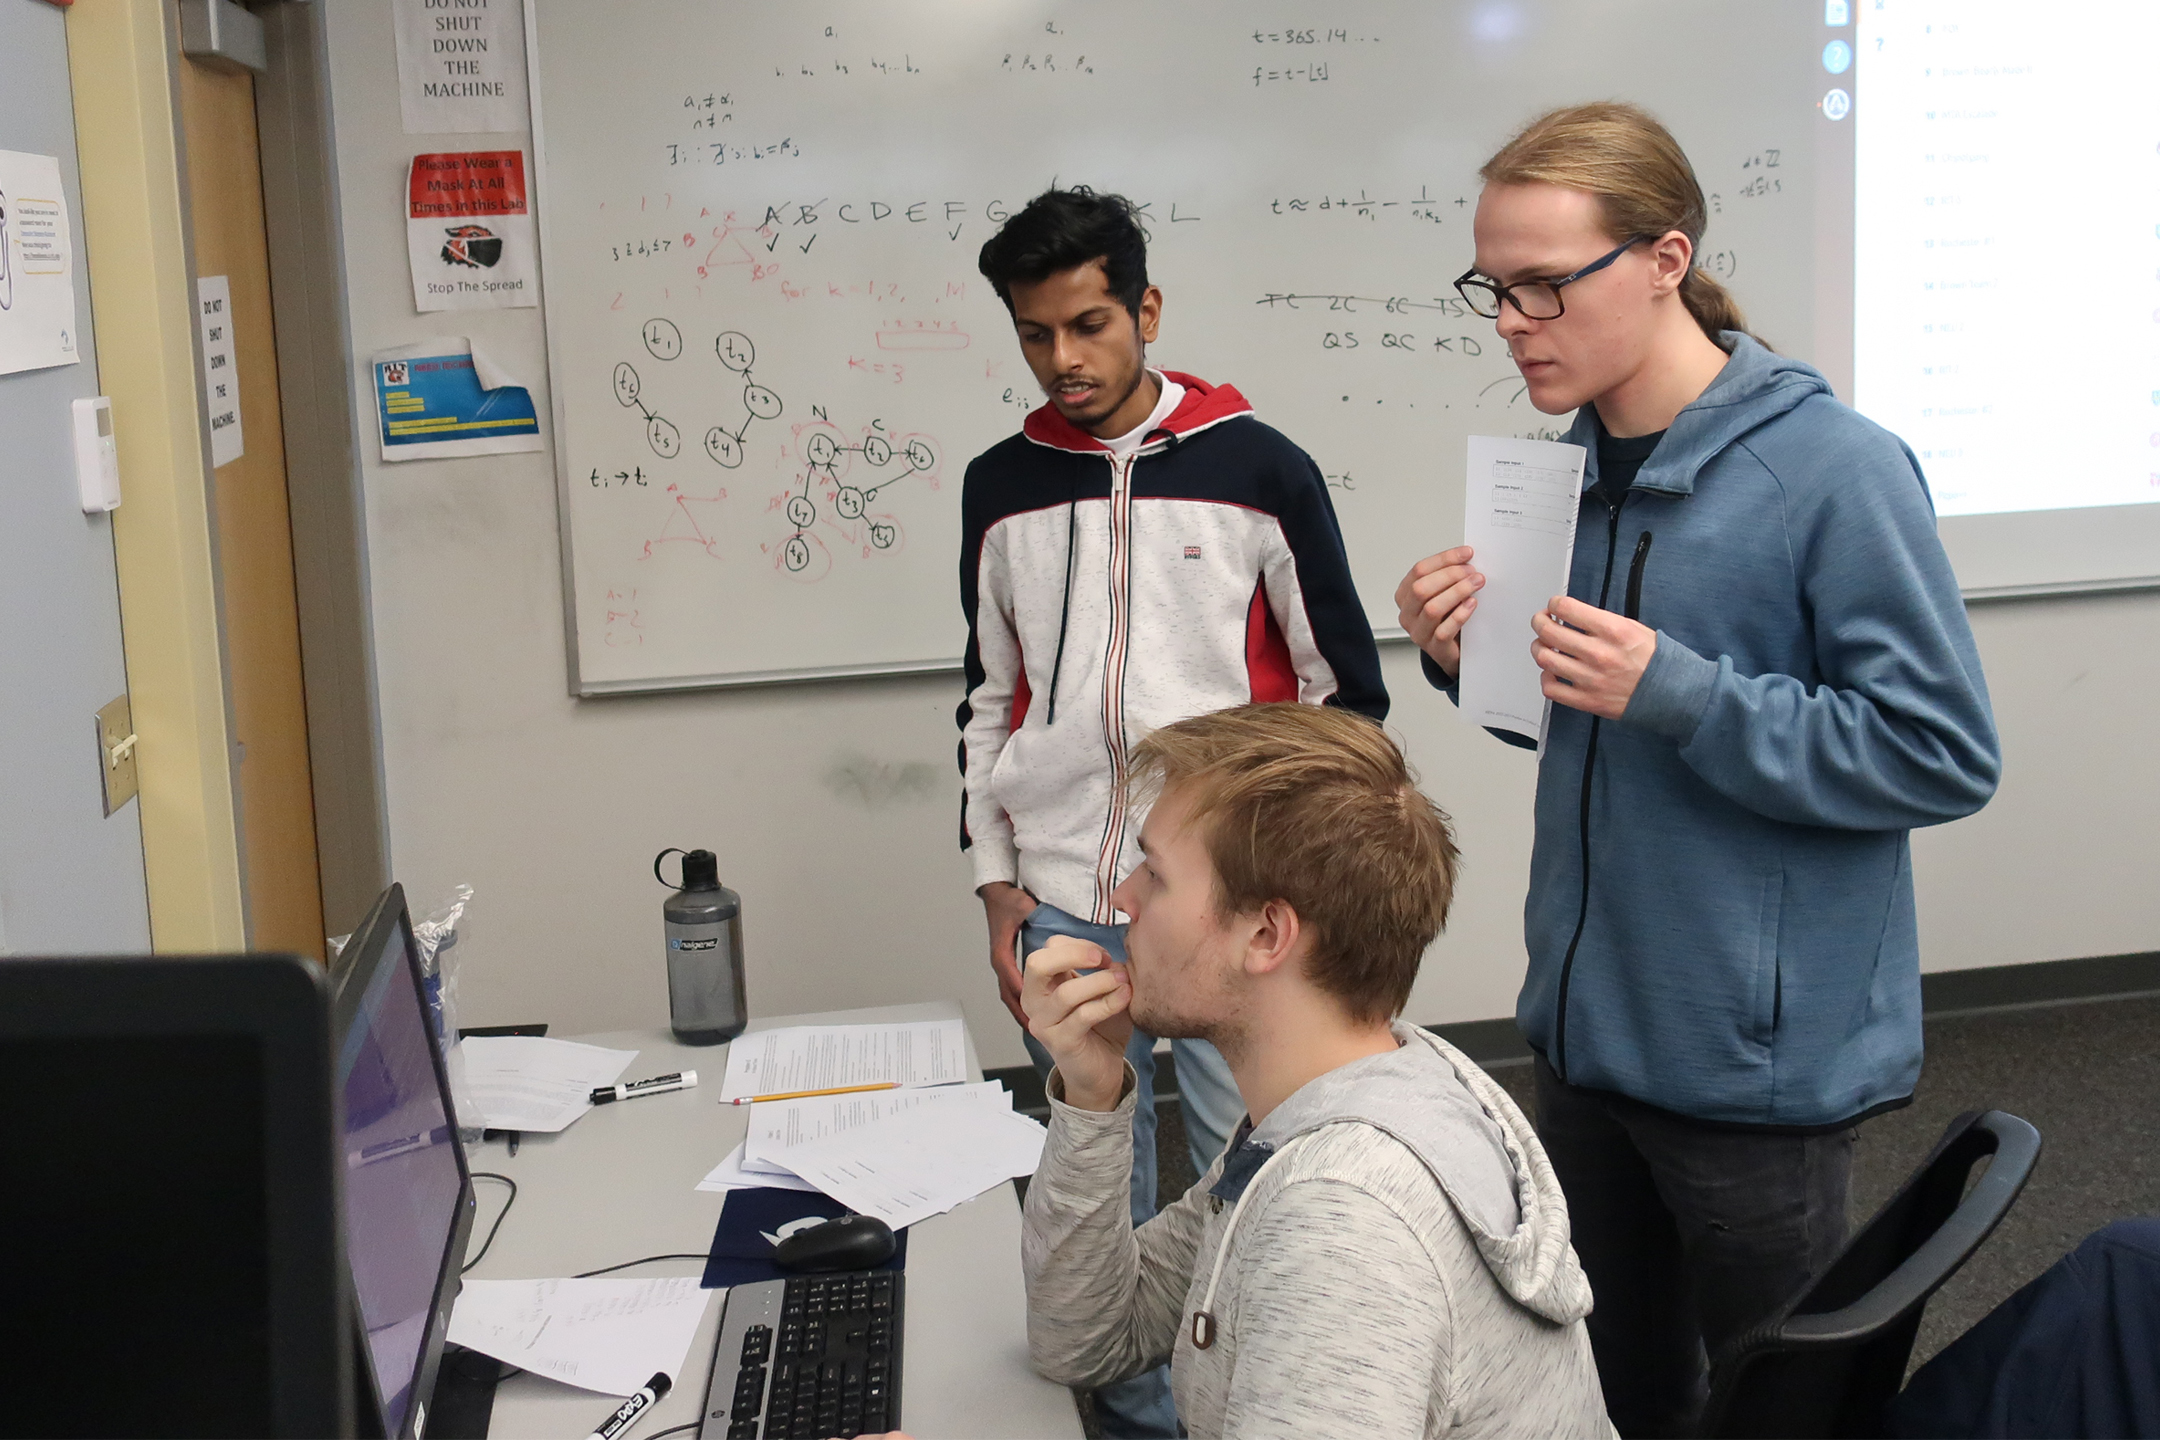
1080	1019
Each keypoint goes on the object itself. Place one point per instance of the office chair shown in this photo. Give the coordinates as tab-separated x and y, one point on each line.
1828	1362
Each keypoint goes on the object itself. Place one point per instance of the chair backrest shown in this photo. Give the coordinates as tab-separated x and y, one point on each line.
1829	1361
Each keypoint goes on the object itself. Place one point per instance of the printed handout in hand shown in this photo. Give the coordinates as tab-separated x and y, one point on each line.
1520	503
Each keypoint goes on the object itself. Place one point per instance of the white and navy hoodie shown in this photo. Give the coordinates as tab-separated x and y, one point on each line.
1108	595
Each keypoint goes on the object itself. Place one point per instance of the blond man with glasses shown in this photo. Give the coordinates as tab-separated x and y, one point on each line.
1762	681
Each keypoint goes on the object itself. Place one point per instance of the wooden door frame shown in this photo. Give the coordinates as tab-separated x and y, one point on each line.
135	240
322	460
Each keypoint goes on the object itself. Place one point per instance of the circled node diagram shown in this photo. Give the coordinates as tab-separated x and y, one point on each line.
664	341
824	455
826	458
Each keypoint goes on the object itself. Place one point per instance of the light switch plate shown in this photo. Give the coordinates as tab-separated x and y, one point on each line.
116	753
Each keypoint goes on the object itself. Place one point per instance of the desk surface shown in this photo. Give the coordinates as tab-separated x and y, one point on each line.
621	1183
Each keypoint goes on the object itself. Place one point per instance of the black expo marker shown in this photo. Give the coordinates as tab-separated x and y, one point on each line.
658	1085
633	1408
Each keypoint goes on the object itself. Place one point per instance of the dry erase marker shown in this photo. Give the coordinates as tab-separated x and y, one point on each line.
658	1085
632	1409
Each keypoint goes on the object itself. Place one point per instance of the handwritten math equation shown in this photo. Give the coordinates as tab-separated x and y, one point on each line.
1421	206
1313	74
1449	306
1312	35
1763	178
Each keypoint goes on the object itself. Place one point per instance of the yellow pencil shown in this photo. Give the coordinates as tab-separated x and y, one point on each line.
811	1094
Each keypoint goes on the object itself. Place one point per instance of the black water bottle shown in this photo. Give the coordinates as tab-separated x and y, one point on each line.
703	920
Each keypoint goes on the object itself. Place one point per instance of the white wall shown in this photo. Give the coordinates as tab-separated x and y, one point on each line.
834	808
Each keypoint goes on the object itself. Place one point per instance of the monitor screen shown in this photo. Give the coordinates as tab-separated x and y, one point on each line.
170	1260
404	1173
189	1272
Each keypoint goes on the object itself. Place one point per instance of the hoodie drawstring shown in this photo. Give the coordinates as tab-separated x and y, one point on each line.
1203	1320
1072	506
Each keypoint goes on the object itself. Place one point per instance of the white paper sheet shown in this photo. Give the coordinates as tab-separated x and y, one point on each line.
729	1174
528	1082
819	1057
37	265
462	67
778	1126
921	1162
1519	516
610	1336
221	368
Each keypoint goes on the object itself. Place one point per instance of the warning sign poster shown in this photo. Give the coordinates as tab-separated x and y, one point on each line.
470	231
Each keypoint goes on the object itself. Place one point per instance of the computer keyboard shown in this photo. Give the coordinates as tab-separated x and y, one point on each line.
806	1358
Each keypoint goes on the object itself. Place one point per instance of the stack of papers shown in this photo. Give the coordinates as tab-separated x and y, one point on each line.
901	1155
823	1057
921	1162
778	1127
528	1082
608	1336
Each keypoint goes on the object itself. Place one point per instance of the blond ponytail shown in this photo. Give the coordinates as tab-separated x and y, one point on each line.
1640	176
1711	303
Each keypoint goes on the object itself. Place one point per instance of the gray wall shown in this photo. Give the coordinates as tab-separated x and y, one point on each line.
834	808
71	879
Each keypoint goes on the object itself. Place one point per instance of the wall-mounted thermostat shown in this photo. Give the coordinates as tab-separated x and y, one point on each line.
97	458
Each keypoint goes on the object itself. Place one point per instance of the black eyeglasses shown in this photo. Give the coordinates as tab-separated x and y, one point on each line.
1537	299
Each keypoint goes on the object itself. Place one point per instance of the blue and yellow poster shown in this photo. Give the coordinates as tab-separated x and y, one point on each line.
450	401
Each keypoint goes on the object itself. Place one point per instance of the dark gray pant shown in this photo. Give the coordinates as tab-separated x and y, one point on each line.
1690	1233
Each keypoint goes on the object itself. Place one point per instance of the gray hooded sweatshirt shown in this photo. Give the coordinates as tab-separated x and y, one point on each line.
1388	1254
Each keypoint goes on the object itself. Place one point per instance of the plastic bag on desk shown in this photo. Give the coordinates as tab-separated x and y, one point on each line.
436	936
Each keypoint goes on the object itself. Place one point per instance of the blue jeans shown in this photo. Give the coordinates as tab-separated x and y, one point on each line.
1141	1408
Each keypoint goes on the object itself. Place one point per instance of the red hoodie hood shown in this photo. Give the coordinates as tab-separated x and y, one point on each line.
1203	405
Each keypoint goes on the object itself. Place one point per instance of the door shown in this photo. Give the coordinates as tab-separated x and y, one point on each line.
71	877
282	880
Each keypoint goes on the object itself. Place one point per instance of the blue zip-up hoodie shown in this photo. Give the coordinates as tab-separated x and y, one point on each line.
1748	951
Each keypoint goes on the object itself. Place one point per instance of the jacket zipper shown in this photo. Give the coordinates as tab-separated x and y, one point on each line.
1633	604
1113	696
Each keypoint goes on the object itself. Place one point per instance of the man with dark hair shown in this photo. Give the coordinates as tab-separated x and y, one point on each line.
1145	550
1383	1250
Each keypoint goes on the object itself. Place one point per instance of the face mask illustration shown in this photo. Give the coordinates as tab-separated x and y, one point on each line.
473	245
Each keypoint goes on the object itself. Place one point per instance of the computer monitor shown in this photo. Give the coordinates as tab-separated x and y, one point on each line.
169	1260
408	1195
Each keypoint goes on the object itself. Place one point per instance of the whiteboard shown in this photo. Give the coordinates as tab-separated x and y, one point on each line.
772	355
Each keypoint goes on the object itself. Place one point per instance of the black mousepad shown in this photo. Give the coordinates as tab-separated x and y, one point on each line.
742	1253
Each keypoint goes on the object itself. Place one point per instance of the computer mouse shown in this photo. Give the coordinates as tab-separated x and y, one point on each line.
851	1242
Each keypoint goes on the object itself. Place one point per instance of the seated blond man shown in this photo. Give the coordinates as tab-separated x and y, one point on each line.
1383	1249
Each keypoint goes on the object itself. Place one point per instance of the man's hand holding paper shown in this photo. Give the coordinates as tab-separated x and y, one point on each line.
1435	599
1592	659
1520	499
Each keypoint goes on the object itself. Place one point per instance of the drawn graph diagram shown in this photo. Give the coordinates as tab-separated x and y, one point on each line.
828	505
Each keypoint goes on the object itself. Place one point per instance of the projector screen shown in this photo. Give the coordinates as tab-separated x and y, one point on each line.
2006	276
